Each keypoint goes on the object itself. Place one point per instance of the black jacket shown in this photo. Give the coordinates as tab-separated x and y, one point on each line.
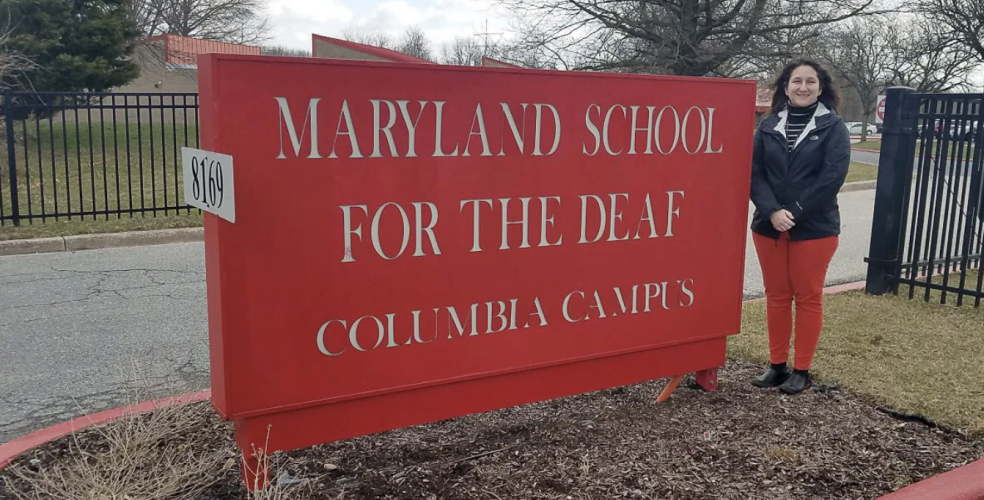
804	181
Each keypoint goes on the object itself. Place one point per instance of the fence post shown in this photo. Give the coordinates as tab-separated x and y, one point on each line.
895	162
8	108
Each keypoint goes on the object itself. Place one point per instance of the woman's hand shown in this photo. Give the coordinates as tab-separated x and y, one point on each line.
782	220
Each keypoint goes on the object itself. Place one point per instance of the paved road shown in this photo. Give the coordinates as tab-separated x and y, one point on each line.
85	330
81	332
865	157
948	169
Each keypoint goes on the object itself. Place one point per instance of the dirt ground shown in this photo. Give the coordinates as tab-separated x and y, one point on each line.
739	442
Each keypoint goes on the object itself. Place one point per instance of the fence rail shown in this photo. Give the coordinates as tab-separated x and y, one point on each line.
928	227
92	156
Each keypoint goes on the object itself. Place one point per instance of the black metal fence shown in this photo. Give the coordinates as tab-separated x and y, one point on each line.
929	212
87	156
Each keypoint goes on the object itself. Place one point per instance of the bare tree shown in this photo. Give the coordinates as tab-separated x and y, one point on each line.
924	57
681	37
148	15
415	43
15	67
963	21
765	55
536	48
283	50
859	54
232	21
462	51
373	38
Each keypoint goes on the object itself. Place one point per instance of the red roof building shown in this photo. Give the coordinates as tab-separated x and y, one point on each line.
182	51
763	101
495	63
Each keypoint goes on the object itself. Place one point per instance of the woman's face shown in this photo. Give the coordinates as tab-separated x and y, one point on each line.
804	86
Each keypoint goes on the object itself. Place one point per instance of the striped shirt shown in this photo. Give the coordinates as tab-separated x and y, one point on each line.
796	120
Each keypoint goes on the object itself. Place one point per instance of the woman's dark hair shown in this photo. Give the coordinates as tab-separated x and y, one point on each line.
828	92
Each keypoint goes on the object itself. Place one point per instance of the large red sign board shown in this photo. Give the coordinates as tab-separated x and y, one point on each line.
414	243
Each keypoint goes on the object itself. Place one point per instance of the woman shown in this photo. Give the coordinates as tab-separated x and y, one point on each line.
800	159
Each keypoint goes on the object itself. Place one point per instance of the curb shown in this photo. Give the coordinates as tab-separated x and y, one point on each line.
829	290
101	240
858	186
11	450
963	483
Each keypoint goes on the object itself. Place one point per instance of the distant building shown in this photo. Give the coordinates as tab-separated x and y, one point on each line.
324	47
169	63
495	63
763	104
333	48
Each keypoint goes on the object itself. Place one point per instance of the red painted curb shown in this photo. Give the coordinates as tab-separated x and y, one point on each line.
964	483
847	287
12	449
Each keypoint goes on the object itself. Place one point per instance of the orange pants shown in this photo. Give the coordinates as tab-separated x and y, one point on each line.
794	269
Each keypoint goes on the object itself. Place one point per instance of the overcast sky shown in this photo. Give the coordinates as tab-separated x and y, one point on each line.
295	20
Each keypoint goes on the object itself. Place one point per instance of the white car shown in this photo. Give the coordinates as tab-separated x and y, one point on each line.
854	128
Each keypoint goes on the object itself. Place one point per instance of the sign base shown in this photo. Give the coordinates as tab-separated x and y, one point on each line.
258	437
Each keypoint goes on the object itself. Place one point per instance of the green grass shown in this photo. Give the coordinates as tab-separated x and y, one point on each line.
113	225
102	167
859	172
910	355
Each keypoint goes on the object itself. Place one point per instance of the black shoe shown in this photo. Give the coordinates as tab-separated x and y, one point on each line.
798	382
773	377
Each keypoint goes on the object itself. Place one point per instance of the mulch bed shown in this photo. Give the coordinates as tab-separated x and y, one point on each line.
739	442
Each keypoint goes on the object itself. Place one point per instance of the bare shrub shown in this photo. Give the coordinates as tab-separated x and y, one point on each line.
150	456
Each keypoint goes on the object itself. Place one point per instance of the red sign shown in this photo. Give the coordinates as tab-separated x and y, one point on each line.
881	109
414	243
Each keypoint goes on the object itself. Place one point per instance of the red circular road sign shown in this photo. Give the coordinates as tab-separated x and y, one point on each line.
881	109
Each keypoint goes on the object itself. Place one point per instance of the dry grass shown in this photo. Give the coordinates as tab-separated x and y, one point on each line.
145	456
152	455
75	227
156	455
916	357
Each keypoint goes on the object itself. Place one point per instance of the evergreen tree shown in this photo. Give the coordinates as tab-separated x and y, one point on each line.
76	45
